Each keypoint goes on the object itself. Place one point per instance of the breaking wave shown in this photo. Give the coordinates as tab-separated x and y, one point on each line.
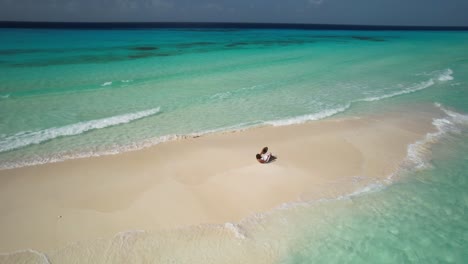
310	117
26	138
443	76
419	152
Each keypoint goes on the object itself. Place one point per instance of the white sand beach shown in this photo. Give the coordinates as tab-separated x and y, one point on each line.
209	179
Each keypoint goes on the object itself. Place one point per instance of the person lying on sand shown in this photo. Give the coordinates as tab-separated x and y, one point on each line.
265	156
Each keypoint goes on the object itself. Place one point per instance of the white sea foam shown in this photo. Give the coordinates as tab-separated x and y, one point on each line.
62	156
222	95
373	187
235	229
311	117
5	96
446	75
126	81
412	89
419	152
106	84
457	117
24	138
442	76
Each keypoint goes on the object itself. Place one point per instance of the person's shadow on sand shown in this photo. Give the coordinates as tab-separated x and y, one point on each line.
265	156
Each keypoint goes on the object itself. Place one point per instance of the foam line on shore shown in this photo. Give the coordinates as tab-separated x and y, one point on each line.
419	152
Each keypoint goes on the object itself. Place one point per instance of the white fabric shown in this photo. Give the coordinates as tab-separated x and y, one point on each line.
266	157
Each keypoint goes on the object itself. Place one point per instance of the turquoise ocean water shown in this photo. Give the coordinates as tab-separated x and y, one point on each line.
67	94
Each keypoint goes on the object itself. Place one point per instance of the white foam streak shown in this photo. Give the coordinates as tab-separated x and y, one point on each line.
419	152
446	75
23	139
413	89
443	76
58	157
374	187
457	117
311	117
235	229
223	95
106	84
227	94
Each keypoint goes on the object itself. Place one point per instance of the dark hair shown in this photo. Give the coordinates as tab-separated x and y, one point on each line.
258	156
264	150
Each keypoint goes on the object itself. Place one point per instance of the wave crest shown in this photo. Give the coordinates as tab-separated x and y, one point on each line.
310	117
442	76
445	75
26	138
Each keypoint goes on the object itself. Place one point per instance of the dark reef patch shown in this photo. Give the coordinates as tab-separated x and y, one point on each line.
99	55
144	48
221	30
71	60
347	38
75	49
91	59
268	43
236	44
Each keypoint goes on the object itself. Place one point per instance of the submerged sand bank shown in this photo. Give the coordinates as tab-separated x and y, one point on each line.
209	179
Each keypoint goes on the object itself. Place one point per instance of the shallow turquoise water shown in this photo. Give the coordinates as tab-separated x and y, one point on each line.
69	94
